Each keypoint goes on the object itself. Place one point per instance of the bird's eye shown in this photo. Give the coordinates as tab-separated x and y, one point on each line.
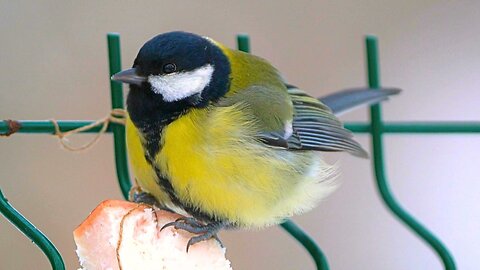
169	68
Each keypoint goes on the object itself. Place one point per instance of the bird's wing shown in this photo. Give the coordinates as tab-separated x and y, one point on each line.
270	107
315	127
292	120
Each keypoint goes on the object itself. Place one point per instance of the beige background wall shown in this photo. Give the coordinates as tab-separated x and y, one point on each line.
54	64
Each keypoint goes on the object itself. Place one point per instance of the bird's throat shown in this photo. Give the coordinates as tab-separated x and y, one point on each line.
151	114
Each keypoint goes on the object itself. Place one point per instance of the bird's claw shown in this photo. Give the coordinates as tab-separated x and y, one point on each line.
203	237
192	225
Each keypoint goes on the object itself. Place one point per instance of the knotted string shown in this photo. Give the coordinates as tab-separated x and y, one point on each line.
115	116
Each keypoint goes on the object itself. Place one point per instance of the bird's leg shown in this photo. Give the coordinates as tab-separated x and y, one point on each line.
139	196
143	197
192	225
134	190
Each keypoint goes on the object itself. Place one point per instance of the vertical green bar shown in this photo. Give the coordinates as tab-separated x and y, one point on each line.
116	92
372	63
379	166
243	44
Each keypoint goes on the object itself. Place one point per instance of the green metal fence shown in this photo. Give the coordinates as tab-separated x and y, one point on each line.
376	128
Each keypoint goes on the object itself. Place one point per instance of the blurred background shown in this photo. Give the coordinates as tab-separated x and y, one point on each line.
54	65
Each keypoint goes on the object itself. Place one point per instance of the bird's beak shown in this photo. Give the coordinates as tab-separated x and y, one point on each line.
129	76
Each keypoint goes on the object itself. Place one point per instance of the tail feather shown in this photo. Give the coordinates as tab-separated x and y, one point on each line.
345	100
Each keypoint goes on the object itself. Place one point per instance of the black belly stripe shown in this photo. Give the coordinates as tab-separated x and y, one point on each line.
151	126
166	185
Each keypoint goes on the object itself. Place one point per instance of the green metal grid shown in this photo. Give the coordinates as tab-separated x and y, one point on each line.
377	128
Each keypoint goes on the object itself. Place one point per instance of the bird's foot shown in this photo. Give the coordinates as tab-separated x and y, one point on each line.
143	197
192	225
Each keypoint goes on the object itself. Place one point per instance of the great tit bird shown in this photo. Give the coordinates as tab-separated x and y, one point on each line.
218	136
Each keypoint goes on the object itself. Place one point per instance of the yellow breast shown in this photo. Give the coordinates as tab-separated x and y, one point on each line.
214	165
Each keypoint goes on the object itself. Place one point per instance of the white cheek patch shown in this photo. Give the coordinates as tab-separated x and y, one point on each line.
177	86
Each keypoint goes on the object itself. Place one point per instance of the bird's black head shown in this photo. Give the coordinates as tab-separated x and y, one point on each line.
173	72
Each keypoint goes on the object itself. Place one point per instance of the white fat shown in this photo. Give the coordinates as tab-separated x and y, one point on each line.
177	86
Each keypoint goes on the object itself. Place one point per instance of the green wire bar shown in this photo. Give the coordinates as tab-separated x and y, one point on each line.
376	128
27	228
439	127
379	166
119	139
47	127
243	44
418	127
308	243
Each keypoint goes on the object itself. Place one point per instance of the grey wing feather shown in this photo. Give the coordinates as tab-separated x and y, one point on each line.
316	128
345	100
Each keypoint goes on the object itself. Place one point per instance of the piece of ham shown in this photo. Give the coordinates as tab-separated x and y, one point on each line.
126	236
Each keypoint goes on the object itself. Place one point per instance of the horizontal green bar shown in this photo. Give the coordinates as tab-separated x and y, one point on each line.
28	126
46	126
358	127
418	127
